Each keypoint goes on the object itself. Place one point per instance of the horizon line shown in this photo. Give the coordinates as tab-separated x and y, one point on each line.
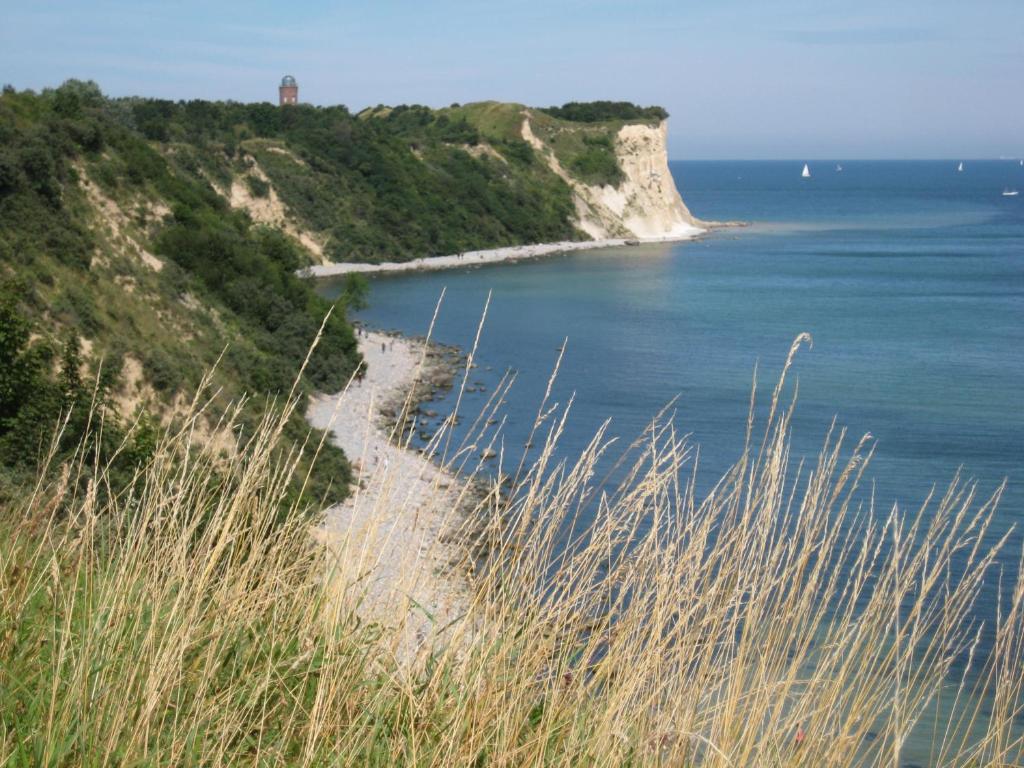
837	158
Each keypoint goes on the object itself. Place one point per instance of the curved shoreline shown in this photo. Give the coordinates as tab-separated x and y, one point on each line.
394	539
492	255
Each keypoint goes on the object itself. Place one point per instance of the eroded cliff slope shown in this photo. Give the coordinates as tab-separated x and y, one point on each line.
643	204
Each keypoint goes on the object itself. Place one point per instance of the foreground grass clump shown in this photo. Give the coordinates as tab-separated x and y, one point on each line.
180	622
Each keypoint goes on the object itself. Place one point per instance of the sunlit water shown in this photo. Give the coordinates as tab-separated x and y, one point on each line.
908	275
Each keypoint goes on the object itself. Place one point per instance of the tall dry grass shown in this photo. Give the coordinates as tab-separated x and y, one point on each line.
777	620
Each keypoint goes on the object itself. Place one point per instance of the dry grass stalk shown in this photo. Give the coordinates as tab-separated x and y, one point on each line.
776	620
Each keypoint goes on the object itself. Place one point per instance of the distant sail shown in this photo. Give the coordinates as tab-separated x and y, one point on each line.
839	168
1010	192
960	167
806	172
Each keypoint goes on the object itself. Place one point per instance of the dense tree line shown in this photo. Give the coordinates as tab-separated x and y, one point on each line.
600	111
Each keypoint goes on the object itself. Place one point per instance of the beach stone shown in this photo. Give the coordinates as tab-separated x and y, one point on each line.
396	480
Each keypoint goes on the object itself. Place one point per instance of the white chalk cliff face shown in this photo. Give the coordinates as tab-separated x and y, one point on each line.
646	205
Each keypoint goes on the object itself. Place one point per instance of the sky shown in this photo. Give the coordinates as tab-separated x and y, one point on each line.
746	80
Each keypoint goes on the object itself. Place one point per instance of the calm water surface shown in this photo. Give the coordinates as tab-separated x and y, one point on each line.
908	275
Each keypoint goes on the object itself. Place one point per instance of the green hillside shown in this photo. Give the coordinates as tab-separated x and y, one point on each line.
396	183
389	184
143	242
119	261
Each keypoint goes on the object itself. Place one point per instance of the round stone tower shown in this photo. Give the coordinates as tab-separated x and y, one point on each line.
288	92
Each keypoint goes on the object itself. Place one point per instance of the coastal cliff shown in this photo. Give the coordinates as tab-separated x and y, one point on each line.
141	236
645	203
398	184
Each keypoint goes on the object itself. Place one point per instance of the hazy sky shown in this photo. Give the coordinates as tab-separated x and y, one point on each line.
770	79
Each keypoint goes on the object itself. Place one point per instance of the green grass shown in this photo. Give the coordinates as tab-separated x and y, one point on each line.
496	121
178	624
586	150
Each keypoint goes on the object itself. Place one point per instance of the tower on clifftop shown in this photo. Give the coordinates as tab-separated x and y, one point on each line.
288	92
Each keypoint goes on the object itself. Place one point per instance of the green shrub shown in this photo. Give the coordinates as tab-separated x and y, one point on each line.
257	186
597	164
517	151
600	111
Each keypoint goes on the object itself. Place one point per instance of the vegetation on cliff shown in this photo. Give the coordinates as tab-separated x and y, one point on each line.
124	277
389	184
120	247
395	183
603	111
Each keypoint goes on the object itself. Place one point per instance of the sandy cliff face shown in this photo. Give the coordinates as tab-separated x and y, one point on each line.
645	205
271	210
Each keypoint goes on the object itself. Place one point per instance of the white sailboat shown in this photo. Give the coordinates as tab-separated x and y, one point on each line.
960	167
806	173
839	168
1010	192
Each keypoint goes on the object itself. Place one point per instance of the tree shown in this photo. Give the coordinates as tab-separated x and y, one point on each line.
18	367
28	399
71	370
355	292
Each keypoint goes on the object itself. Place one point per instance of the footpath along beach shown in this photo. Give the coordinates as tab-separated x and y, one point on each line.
395	536
489	256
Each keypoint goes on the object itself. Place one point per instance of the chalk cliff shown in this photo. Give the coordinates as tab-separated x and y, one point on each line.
645	204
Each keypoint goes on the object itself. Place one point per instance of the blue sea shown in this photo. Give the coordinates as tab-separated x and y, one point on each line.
909	276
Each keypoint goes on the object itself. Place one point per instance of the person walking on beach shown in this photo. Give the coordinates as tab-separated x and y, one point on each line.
382	349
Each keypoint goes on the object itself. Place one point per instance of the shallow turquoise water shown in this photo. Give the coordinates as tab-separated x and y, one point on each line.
908	275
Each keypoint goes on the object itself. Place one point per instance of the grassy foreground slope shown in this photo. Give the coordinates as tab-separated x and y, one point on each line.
773	622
